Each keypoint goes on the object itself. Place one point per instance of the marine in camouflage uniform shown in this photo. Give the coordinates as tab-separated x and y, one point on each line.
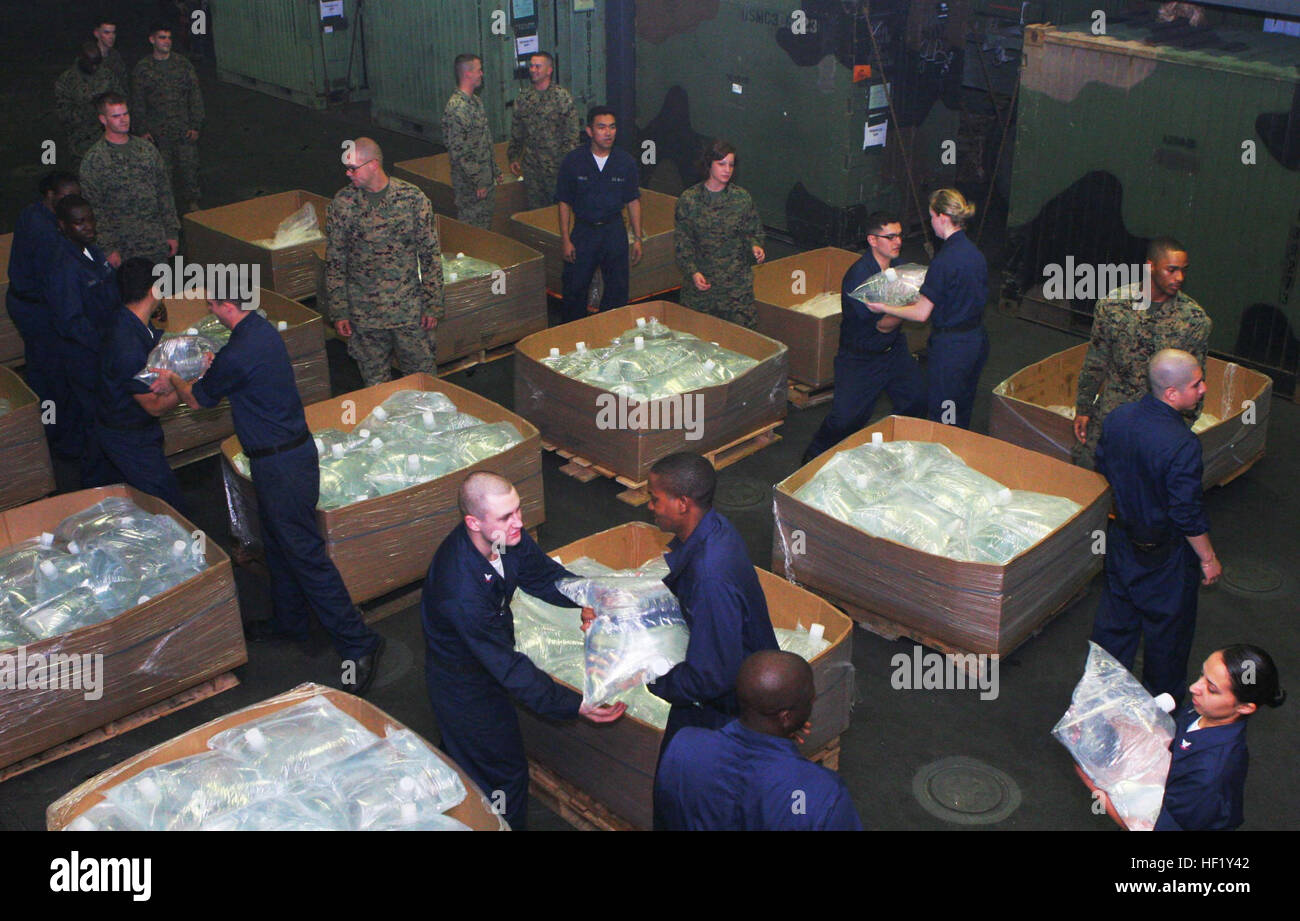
1124	338
75	92
128	186
714	234
543	129
166	104
383	274
468	138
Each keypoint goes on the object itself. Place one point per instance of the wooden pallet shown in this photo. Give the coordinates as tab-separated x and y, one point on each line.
637	492
803	396
213	686
586	813
481	357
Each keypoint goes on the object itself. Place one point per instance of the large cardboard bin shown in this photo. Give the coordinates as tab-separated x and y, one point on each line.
175	640
1238	396
29	473
656	273
615	763
190	434
433	177
474	811
11	344
477	317
226	235
813	341
384	543
953	606
572	414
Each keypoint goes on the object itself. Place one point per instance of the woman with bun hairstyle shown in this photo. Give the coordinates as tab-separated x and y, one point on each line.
952	299
1207	773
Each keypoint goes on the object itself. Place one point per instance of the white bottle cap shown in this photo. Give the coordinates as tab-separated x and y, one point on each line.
460	255
73	547
453	276
891	274
862	480
376	443
640	321
80	823
1002	496
1165	702
320	446
149	790
427	418
877	438
256	739
555	352
406	784
710	364
638	343
142	599
380	413
179	547
47	539
363	434
282	325
408	813
817	631
336	450
582	346
48	569
192	331
412	463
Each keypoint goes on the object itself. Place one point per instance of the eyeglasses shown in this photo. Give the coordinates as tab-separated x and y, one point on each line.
353	169
886	236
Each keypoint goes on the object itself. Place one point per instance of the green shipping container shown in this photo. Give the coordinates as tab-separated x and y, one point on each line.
282	48
1120	140
411	46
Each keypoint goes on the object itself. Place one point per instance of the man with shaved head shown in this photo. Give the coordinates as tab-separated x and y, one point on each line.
749	775
383	269
710	573
1158	547
471	667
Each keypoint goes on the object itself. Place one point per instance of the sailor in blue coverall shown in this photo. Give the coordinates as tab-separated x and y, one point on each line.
471	667
1206	784
749	775
83	297
1158	547
713	579
253	371
873	356
952	299
592	185
31	259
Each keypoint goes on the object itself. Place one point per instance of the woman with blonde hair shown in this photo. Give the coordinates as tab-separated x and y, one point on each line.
952	298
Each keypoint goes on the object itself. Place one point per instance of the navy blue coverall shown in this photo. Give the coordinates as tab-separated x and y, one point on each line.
737	779
1207	777
868	362
129	439
1153	463
472	669
254	373
597	197
83	296
958	284
31	260
723	605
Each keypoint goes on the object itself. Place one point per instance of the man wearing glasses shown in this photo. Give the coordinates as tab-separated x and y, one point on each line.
873	357
383	270
1158	549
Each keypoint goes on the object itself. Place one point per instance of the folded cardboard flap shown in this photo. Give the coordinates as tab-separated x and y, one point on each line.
474	811
258	218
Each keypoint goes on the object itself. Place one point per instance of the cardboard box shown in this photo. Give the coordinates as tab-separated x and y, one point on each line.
384	543
569	413
11	344
615	763
812	340
29	473
190	434
656	273
474	811
173	641
225	235
478	318
433	176
1019	413
953	606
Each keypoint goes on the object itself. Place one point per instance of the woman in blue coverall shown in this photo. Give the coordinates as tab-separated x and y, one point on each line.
1207	772
952	299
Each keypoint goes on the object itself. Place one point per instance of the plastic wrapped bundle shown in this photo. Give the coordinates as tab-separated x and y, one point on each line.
181	795
63	613
396	470
1120	737
808	644
298	228
461	267
19	562
181	354
109	514
960	491
822	305
112	588
408	403
10	633
906	518
298	808
343	478
378	782
479	442
105	816
647	329
296	741
896	286
837	497
645	706
638	634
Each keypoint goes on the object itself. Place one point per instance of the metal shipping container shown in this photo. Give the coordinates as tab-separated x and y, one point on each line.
283	48
1120	139
411	44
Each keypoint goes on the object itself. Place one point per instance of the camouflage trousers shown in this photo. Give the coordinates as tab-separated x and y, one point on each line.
181	160
730	305
471	210
376	351
539	186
